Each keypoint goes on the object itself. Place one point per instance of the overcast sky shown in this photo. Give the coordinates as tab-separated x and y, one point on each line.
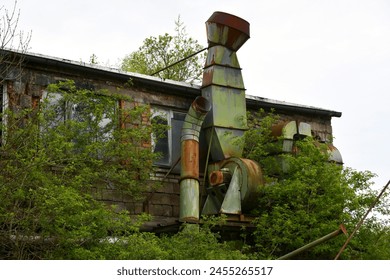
332	54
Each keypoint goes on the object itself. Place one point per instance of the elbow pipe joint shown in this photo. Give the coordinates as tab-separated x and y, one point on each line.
194	119
189	175
190	138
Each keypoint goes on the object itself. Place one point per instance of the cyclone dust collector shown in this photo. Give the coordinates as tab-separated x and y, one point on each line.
232	181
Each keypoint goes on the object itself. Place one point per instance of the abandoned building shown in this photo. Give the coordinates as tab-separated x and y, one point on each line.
195	114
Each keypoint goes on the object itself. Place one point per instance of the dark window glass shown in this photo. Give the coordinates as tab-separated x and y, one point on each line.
176	124
161	144
1	111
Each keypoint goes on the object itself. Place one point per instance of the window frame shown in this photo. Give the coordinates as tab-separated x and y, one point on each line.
173	123
3	109
69	110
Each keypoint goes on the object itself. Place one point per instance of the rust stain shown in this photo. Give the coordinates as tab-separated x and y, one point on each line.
207	77
201	105
238	29
190	159
216	178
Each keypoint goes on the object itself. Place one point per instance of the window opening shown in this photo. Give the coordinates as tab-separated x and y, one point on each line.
161	142
63	111
168	143
3	108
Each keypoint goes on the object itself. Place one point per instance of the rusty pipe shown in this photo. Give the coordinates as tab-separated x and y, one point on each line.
189	174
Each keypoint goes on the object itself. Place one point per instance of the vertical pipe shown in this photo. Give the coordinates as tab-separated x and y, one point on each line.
189	175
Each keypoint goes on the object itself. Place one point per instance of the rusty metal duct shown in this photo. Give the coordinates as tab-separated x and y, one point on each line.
227	30
233	181
223	85
189	176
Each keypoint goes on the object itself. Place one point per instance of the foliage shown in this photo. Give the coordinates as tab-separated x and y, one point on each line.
372	242
56	159
309	199
93	59
159	52
195	242
192	242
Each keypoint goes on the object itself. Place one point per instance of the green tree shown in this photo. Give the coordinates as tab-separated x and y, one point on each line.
203	242
311	199
57	157
157	53
54	162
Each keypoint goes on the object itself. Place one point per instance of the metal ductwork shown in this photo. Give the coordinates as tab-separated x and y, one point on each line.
189	176
233	181
289	131
223	85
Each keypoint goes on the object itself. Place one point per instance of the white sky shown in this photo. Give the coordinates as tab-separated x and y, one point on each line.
333	54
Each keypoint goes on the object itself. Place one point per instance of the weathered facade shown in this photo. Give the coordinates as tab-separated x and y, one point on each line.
24	88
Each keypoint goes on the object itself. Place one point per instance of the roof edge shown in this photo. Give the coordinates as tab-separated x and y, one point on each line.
256	101
168	85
